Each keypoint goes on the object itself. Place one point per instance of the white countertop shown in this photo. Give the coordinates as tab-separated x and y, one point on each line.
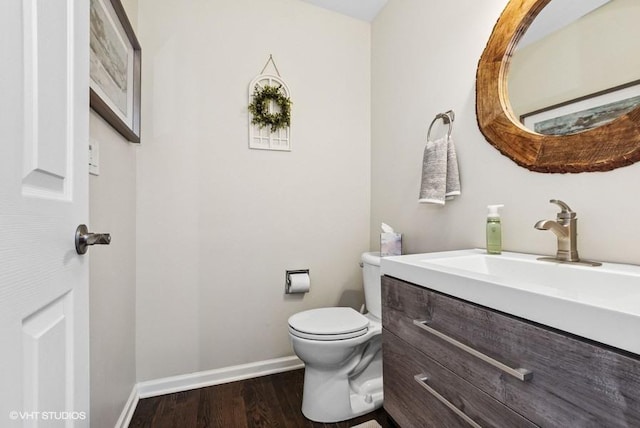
599	303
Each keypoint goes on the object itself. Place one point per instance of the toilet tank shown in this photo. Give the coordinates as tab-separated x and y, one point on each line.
372	287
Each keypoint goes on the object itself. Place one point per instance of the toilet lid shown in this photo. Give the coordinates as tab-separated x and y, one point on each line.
329	323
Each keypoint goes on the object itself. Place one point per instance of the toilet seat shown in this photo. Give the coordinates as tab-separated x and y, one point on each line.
328	324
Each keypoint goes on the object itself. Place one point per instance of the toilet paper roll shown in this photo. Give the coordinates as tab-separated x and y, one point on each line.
299	283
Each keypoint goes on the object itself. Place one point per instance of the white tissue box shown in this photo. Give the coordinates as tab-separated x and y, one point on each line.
390	244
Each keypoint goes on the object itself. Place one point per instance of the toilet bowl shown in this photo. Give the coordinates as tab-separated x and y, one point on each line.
341	349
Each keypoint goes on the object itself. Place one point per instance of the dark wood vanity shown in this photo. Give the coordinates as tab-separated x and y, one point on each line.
452	363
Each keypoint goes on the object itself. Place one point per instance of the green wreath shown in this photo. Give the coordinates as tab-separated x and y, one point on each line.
259	108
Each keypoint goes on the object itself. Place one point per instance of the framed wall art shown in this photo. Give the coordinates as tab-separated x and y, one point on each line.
585	112
115	68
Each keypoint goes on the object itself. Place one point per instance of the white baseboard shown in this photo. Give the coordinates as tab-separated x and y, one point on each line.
129	408
168	385
189	381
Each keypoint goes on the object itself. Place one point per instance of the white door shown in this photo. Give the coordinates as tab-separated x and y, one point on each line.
44	311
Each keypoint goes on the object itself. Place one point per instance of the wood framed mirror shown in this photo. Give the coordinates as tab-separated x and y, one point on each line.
610	146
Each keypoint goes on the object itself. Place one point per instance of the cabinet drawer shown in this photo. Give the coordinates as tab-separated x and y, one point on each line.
574	383
413	382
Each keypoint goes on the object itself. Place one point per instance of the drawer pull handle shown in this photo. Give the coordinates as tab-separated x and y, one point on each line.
422	381
519	373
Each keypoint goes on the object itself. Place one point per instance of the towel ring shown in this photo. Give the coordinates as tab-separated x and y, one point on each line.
447	118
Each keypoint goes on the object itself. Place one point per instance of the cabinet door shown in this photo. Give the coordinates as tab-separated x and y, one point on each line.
575	383
422	393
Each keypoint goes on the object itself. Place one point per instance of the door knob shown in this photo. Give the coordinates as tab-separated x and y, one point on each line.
84	239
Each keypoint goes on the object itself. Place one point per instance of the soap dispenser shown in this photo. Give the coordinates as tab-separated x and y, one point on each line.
494	230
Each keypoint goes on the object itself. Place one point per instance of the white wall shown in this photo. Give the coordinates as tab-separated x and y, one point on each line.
218	224
424	61
112	209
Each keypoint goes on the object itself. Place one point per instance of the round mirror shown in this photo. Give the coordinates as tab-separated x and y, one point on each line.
571	70
529	85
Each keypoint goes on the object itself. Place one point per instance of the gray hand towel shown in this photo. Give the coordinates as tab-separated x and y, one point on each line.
453	176
440	178
434	172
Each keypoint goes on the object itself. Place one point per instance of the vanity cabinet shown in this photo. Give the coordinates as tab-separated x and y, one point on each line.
449	363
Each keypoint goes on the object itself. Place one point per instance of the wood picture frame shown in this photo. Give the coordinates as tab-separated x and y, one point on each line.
115	70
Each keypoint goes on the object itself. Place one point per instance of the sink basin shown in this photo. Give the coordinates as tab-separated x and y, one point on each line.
598	303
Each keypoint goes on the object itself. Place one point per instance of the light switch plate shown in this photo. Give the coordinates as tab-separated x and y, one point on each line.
94	157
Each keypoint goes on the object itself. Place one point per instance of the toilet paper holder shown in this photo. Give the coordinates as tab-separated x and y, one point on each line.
287	284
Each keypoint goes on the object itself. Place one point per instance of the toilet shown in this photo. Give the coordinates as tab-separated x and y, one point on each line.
342	352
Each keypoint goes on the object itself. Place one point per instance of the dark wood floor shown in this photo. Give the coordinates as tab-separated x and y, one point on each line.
268	401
